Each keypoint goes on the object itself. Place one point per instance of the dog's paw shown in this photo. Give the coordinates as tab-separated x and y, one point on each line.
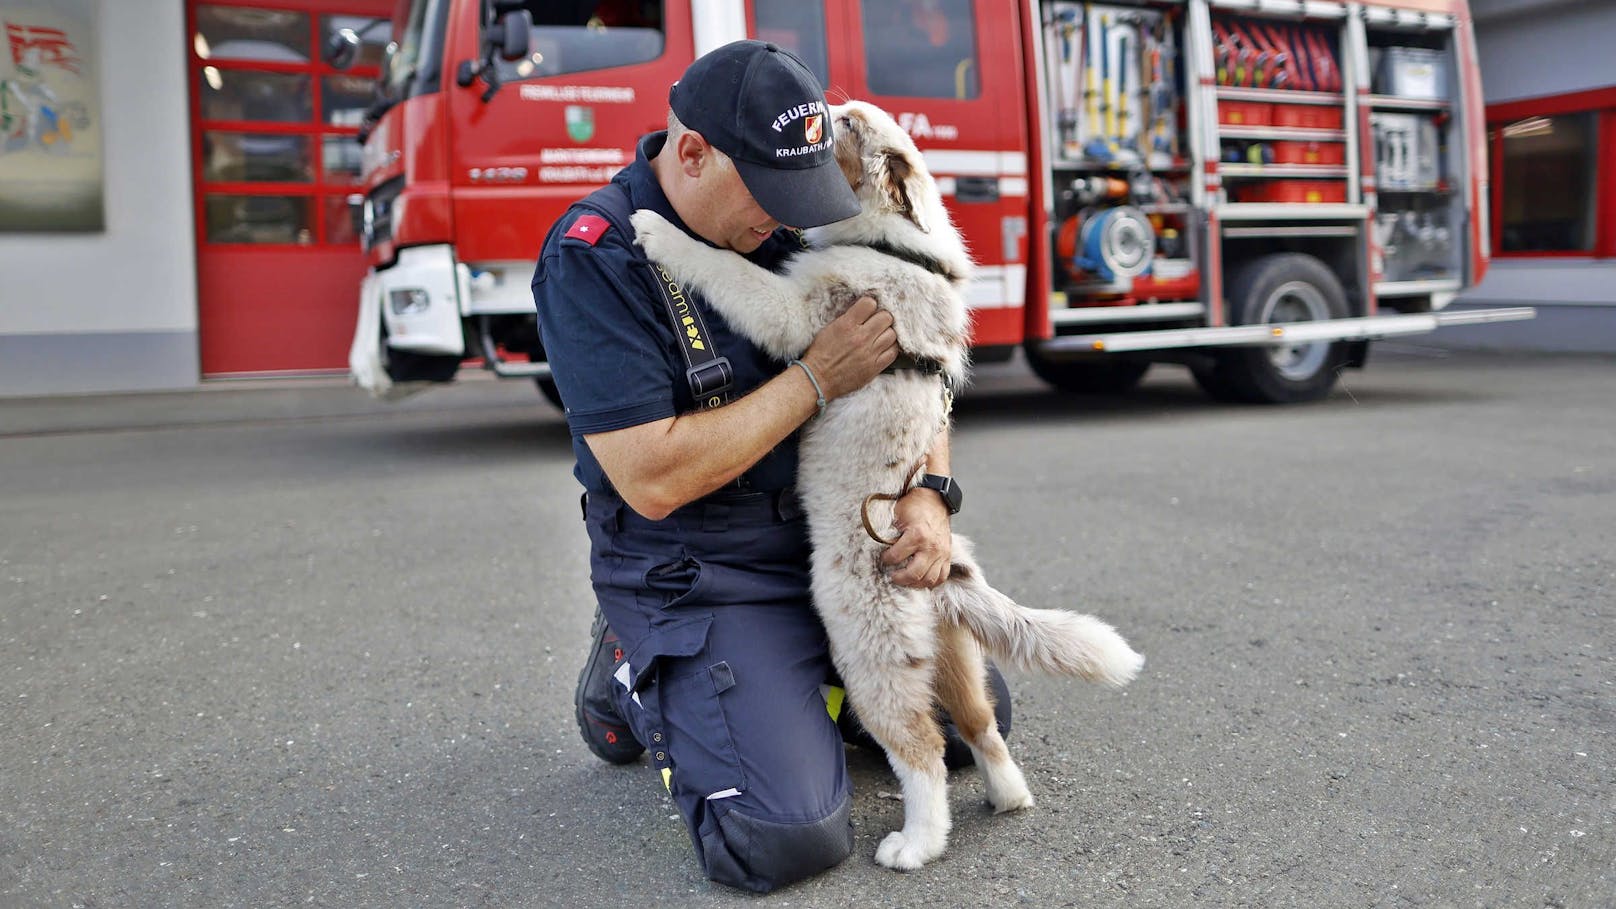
900	853
652	232
1006	787
1010	800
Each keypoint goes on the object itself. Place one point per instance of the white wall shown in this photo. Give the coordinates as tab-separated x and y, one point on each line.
1573	282
68	302
1547	49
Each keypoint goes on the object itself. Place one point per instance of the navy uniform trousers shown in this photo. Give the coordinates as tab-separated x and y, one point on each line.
725	679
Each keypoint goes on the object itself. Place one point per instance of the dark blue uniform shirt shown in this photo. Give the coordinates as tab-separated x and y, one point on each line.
609	340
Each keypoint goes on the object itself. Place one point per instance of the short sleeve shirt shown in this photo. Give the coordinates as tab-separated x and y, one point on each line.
610	342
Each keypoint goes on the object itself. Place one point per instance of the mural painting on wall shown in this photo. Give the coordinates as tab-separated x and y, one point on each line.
51	169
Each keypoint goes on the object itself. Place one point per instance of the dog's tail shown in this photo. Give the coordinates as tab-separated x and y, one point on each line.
1041	640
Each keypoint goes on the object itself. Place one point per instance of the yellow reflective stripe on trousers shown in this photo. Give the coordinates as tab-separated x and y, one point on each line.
833	701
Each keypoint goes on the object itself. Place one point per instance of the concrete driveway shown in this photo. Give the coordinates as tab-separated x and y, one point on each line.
275	646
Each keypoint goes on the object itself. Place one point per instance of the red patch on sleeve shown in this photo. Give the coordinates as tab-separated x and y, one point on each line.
588	228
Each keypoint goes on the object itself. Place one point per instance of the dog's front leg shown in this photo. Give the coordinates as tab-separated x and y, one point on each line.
765	307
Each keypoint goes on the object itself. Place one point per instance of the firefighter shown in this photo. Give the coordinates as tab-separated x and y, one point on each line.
706	651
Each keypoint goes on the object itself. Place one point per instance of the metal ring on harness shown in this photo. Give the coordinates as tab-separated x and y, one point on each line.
864	514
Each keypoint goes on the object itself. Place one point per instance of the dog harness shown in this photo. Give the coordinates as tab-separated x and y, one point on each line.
907	360
930	264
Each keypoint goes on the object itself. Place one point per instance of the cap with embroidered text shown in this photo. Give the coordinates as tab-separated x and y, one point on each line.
761	106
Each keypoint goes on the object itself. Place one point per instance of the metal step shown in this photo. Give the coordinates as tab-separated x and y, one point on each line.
1288	333
503	368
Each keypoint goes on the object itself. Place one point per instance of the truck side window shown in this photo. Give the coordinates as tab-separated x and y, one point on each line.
921	48
799	27
573	36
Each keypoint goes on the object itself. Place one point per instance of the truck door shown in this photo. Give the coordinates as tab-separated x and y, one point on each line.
950	71
563	120
926	63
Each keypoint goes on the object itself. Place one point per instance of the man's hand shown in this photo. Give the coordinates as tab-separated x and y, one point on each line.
853	349
921	557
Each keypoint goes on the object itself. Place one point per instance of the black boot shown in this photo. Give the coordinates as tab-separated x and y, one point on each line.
599	723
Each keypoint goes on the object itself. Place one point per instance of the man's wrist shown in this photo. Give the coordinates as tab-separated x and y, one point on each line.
945	487
819	392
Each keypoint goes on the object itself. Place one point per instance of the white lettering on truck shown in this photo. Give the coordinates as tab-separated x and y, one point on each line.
919	126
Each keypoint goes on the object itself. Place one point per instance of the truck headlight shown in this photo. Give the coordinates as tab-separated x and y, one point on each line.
364	214
408	301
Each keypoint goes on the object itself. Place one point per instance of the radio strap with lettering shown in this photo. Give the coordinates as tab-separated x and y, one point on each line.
710	376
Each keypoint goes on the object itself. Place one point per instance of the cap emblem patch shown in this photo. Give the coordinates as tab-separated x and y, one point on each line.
813	128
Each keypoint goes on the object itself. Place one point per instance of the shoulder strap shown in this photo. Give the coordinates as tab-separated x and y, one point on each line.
710	375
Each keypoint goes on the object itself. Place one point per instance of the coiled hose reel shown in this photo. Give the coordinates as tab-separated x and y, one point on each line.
1111	244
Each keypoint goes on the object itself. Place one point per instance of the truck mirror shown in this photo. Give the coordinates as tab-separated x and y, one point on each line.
512	34
342	48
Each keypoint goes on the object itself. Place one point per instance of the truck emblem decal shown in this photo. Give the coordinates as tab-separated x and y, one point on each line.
580	123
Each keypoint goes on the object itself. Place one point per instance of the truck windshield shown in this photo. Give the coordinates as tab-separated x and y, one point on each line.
921	48
799	27
579	35
404	57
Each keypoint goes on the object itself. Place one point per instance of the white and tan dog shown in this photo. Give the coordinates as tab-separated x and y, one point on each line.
899	651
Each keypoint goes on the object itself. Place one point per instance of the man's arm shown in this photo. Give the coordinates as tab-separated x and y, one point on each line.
659	466
925	546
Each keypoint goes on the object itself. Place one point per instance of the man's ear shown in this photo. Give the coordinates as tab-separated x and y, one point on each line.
900	181
692	152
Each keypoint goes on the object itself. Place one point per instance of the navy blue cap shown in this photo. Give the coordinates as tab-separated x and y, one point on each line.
761	106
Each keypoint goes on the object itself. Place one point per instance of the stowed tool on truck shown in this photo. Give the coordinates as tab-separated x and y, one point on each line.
1254	190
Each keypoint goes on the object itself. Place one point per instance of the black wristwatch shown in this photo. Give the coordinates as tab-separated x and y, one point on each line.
952	495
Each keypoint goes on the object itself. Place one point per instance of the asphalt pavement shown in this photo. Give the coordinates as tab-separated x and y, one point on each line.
278	645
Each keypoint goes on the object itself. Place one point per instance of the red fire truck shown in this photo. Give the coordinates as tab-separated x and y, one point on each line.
1255	189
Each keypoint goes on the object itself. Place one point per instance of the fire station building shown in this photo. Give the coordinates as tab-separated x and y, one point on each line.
193	223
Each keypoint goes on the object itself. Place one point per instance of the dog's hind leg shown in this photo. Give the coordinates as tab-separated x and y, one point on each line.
897	710
962	689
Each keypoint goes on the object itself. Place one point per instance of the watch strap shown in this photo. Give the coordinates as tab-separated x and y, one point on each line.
946	487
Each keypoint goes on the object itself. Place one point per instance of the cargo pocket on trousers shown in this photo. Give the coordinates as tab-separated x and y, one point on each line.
692	701
648	663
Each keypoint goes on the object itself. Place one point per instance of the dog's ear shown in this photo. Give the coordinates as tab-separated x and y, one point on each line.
900	180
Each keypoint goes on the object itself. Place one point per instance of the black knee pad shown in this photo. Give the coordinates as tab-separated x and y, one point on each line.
760	855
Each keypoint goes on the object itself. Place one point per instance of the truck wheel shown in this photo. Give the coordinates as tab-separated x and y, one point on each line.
1275	289
1213	381
1087	376
547	387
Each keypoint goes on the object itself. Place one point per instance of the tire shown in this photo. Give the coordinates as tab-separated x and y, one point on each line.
1275	289
547	387
1088	376
1216	385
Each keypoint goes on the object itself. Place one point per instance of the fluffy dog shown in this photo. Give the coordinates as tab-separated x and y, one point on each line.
900	651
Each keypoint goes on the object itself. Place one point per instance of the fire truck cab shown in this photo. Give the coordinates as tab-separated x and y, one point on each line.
1255	189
